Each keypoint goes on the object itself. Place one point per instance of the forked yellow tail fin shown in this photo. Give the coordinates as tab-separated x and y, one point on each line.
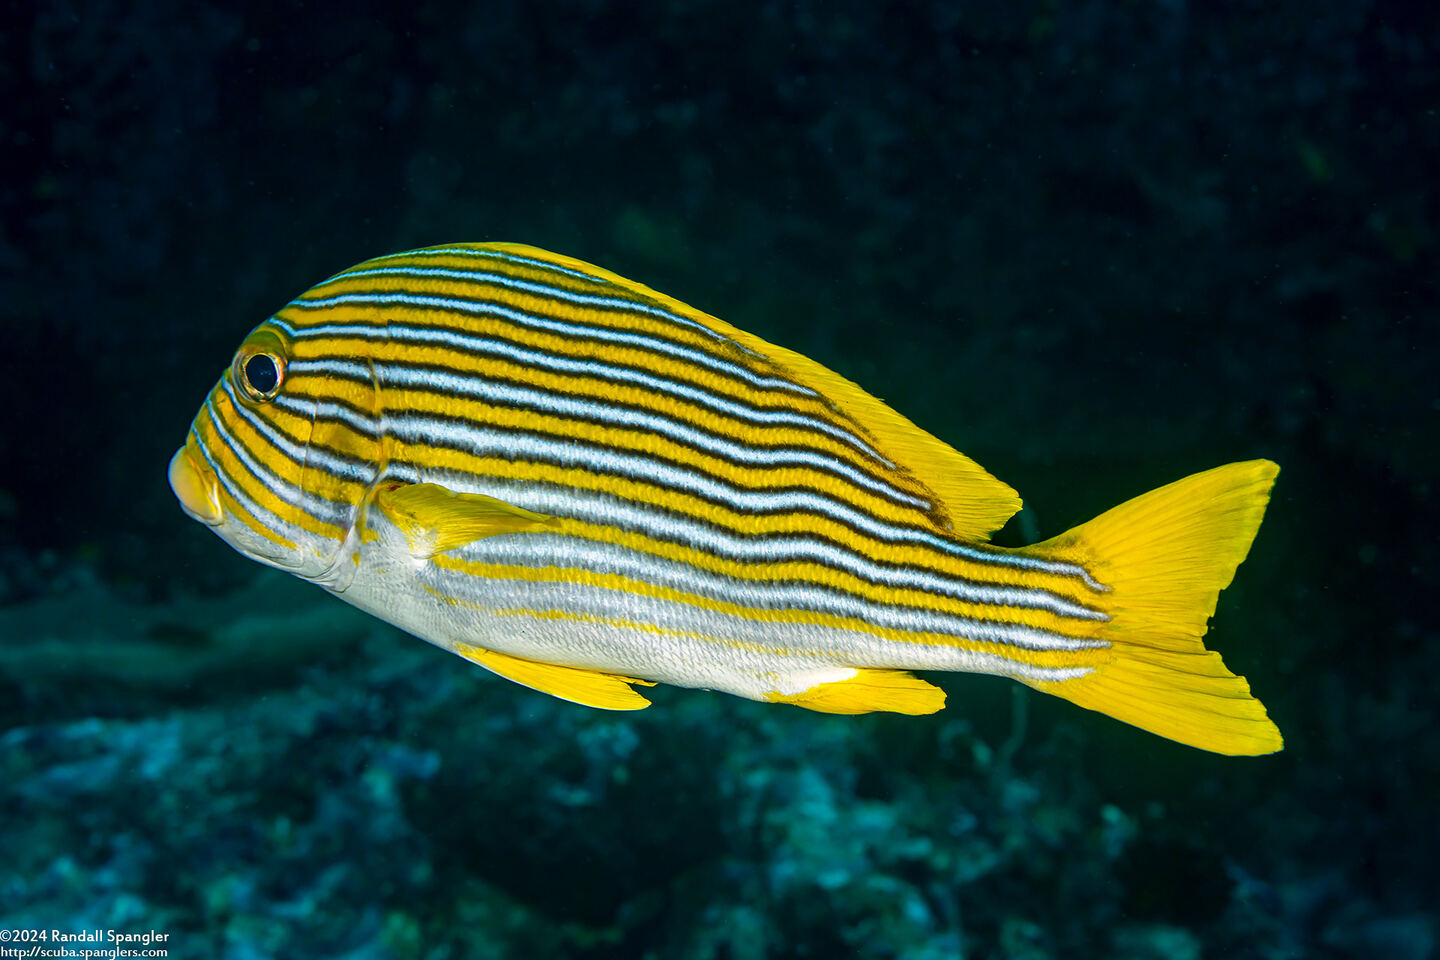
1166	556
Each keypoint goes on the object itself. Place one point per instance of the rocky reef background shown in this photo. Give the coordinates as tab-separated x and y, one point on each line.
1095	245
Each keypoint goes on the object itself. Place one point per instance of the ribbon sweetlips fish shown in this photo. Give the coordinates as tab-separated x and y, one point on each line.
586	486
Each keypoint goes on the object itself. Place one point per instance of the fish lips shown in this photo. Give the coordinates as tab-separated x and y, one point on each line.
195	487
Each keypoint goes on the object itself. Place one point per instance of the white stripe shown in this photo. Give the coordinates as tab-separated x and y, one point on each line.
475	308
573	556
608	510
359	371
470	387
673	642
303	455
489	254
619	304
361	423
278	487
423	336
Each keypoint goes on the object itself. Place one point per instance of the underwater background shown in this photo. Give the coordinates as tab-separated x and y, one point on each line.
1095	245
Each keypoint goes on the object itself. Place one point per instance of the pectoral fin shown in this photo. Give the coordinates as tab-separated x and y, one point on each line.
606	691
436	519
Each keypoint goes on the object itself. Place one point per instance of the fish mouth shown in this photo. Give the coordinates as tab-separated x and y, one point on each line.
194	484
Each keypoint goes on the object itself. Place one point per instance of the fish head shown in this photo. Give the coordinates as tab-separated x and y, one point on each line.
281	456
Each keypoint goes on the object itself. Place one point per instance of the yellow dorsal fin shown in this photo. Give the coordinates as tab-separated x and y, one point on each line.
606	691
868	691
970	502
436	519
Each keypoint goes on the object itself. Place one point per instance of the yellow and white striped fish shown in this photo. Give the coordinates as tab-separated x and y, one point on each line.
584	485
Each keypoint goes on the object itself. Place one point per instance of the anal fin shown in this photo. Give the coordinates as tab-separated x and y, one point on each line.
869	691
605	691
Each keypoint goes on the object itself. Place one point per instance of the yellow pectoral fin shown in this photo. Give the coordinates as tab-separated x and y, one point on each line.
892	691
605	691
435	519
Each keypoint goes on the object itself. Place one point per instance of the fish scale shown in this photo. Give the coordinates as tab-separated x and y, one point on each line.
584	485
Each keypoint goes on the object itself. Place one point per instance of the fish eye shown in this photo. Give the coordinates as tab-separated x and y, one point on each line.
260	374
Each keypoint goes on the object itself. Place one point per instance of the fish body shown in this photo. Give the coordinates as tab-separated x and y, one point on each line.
586	486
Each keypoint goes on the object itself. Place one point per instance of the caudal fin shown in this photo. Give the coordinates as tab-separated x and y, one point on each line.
1166	556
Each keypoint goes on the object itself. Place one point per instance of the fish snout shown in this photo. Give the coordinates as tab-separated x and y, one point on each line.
195	487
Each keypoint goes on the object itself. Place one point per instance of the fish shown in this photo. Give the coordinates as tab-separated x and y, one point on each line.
588	487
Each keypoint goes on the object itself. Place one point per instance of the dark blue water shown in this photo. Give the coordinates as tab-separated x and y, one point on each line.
1096	246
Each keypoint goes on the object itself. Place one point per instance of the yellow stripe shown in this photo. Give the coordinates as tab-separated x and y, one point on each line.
1059	659
657	364
587	388
742	524
643	443
800	572
273	459
226	463
539	305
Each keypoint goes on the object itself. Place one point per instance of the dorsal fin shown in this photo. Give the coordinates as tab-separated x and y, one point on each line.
974	502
